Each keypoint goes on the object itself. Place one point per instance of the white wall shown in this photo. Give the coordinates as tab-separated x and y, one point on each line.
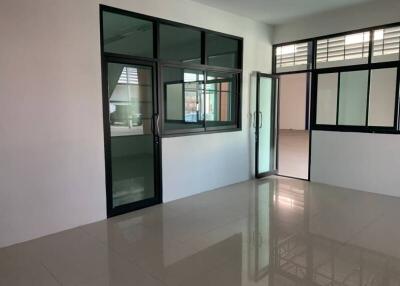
368	162
292	101
378	12
51	147
194	164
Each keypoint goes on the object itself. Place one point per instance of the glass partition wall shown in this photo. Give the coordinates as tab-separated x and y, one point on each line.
160	78
353	82
354	78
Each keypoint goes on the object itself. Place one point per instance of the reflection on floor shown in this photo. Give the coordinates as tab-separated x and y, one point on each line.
276	232
293	153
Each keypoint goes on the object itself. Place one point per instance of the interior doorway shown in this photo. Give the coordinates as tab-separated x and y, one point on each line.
132	142
294	125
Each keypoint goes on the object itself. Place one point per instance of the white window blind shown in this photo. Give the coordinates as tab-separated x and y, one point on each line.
386	44
343	50
292	57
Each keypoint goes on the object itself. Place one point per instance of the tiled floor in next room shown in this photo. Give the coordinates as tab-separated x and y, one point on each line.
276	231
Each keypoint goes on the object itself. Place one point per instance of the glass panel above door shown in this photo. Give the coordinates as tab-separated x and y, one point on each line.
180	44
127	35
222	51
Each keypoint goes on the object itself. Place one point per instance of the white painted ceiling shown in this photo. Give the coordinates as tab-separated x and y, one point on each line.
279	11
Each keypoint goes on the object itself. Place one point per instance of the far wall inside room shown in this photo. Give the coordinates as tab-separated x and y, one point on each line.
292	101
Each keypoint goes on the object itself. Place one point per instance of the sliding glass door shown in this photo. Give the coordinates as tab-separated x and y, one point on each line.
265	119
132	136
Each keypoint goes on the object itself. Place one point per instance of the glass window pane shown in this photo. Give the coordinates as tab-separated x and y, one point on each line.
222	51
266	159
353	95
180	44
127	35
344	50
327	98
221	99
382	97
386	44
183	98
293	57
130	93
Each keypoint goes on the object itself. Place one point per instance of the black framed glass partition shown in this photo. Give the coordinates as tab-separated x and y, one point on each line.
355	78
357	100
180	51
160	78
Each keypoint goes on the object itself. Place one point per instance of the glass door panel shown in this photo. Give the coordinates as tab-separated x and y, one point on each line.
265	124
132	143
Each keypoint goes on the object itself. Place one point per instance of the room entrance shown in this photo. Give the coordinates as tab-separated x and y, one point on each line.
132	136
294	125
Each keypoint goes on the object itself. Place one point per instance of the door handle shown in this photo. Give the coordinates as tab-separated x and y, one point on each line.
158	124
261	120
254	119
152	124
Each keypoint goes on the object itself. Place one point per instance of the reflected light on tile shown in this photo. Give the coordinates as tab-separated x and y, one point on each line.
275	232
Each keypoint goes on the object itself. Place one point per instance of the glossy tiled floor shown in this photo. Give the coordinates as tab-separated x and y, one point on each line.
277	231
293	153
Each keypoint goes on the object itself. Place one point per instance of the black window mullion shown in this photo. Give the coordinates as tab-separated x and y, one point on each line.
398	50
338	99
397	101
204	98
368	93
327	50
203	48
274	59
239	55
371	46
156	39
183	96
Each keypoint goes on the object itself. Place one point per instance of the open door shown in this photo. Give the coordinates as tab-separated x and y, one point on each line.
265	119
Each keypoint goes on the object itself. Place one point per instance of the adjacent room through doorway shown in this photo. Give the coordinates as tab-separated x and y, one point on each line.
293	148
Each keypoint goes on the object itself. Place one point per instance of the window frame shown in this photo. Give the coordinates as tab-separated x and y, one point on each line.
309	64
160	63
205	129
370	65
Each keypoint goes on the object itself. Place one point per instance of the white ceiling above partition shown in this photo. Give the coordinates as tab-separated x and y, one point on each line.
279	11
